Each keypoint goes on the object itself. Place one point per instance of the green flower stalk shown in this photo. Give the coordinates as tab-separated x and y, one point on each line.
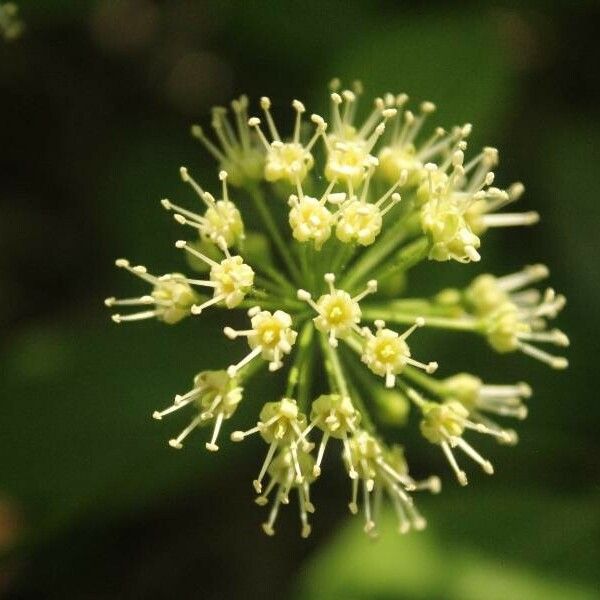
367	201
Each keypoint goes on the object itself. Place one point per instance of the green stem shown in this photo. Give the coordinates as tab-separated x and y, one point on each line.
423	307
354	343
406	258
425	381
267	284
265	215
306	252
343	253
278	278
357	400
249	370
413	395
388	314
304	343
333	366
273	304
386	244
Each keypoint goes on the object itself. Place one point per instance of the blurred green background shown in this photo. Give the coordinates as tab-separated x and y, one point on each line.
95	103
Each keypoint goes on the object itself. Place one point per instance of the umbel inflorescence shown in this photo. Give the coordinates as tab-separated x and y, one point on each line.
347	206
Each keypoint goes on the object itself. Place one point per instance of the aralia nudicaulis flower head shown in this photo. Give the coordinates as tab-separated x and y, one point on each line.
289	160
343	210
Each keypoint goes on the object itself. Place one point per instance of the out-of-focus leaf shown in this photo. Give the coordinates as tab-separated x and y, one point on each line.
440	563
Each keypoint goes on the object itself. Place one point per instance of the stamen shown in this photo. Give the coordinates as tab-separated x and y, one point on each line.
182	244
556	362
265	104
176	443
268	458
460	475
486	465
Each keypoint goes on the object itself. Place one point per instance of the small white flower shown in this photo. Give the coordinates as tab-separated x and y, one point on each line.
402	153
283	473
386	352
240	153
444	425
360	221
481	399
348	146
511	328
281	425
216	397
270	337
338	313
337	418
231	279
171	299
480	215
221	221
443	220
513	317
289	161
381	470
309	218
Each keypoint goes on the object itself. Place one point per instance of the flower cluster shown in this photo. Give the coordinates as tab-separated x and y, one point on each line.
324	295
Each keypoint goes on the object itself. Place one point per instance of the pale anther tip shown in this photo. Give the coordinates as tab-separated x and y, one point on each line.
560	363
435	484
